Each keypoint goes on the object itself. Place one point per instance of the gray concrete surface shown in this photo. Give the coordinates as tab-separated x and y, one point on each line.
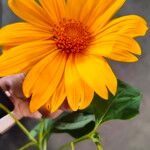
117	135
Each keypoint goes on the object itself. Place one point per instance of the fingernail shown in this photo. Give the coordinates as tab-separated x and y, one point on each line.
8	93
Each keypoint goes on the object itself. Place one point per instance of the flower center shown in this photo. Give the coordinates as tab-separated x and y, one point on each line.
71	36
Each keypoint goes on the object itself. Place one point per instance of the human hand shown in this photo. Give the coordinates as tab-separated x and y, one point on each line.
12	85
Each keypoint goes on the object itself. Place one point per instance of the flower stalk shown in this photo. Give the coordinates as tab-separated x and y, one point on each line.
20	125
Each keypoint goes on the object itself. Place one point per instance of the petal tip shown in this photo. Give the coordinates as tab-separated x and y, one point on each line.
104	96
10	3
53	110
32	108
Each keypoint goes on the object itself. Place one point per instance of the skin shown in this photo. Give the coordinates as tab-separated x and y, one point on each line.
12	87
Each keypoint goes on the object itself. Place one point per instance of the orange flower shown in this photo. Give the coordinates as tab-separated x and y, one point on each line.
62	46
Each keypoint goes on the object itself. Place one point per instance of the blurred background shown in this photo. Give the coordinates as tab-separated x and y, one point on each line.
117	135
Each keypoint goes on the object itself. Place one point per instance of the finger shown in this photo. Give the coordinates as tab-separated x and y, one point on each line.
55	114
13	83
22	108
36	115
15	100
4	84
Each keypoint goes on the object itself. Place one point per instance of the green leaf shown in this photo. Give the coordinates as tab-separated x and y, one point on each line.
76	124
74	121
48	125
124	105
35	130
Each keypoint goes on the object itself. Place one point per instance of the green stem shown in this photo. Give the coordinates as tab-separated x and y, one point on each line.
72	146
27	146
40	139
96	139
75	141
99	146
20	125
85	137
65	146
45	145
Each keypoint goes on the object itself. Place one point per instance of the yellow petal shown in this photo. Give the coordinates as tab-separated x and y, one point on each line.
19	33
86	8
90	72
103	12
55	9
48	80
116	47
35	73
5	48
130	25
108	75
48	105
30	11
58	97
87	97
123	56
21	58
74	8
72	84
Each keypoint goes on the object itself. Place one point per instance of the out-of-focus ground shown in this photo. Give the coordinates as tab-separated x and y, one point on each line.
117	135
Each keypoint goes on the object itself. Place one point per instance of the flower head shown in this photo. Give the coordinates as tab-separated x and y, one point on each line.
62	46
